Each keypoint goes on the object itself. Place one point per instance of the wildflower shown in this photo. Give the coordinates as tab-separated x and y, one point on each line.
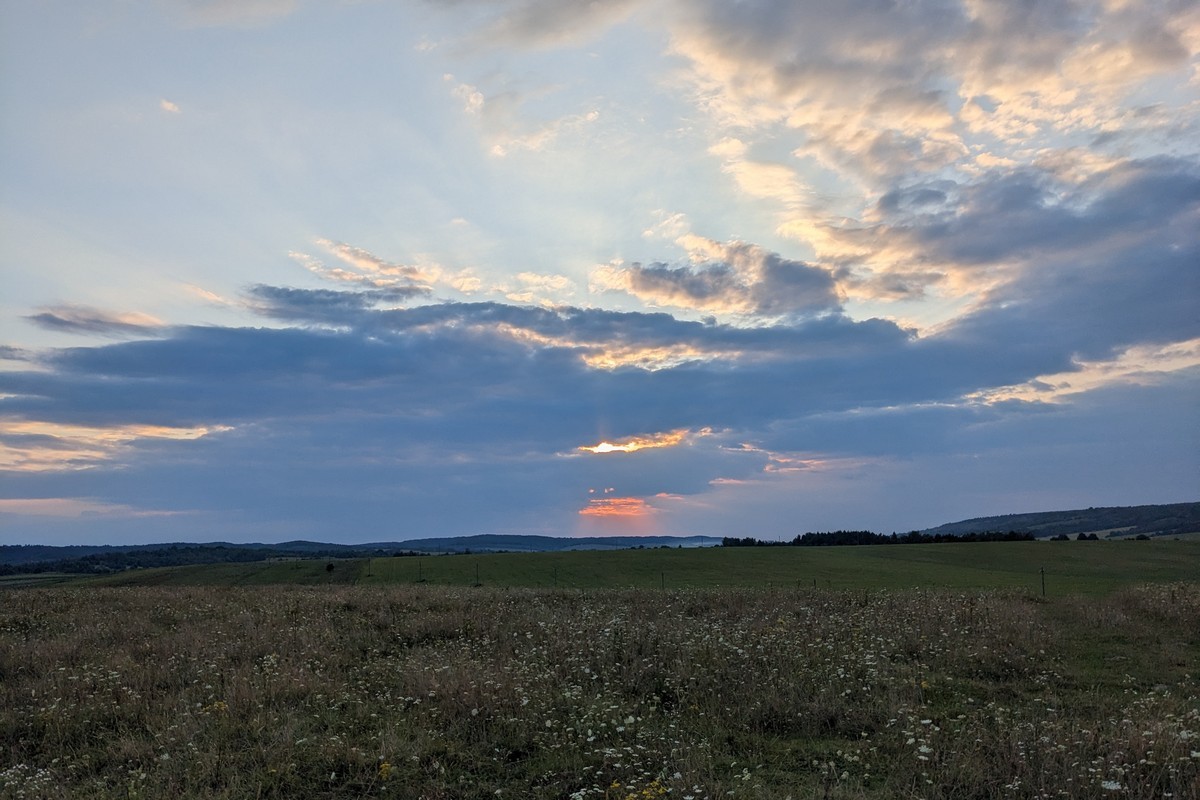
385	770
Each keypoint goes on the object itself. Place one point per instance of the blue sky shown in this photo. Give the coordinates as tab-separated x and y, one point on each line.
363	271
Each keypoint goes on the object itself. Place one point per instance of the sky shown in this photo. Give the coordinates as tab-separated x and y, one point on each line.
360	271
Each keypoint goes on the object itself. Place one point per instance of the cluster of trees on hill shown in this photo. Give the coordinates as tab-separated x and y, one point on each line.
844	538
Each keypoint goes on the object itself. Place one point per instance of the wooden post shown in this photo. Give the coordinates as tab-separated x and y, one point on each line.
1043	581
662	580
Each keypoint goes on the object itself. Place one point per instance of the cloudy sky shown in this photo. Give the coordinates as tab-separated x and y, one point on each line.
363	271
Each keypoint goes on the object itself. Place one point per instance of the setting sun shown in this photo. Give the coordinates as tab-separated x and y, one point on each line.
635	443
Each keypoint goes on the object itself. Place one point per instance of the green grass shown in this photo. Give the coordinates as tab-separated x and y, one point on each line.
35	579
1070	568
257	573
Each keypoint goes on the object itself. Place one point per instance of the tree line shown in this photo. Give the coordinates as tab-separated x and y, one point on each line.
851	538
181	555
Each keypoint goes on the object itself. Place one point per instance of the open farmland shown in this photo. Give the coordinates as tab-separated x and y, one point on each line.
461	692
1070	567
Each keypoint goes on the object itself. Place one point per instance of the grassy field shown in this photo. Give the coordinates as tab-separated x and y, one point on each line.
36	579
863	673
423	691
1070	568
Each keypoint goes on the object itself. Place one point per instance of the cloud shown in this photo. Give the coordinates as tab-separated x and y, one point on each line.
503	128
471	97
950	242
207	296
552	23
367	269
1142	364
880	94
324	306
469	416
75	507
89	320
546	290
728	278
617	507
899	119
9	353
633	444
1097	269
36	446
1031	235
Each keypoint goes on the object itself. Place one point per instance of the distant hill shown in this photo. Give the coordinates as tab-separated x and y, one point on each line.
110	558
1158	520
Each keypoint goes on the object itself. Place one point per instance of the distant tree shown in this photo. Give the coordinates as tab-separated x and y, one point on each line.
843	538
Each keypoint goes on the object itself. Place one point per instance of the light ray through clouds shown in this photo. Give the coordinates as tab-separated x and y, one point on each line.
381	271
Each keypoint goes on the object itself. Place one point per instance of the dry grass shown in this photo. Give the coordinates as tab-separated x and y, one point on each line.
440	692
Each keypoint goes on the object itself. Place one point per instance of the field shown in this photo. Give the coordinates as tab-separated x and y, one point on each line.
901	680
1070	567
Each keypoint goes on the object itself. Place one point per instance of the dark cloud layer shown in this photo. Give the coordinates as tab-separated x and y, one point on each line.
981	175
737	277
461	417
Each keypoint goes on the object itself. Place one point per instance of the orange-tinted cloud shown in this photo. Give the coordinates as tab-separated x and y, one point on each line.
634	443
617	508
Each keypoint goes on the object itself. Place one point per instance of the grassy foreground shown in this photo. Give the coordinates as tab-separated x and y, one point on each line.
1070	567
457	692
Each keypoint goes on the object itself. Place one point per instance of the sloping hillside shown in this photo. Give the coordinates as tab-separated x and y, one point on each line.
1156	520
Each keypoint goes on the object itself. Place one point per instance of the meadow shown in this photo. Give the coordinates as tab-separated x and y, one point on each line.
1069	568
342	688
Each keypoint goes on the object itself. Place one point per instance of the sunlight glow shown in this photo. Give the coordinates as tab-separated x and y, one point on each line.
613	355
617	507
635	443
1140	365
